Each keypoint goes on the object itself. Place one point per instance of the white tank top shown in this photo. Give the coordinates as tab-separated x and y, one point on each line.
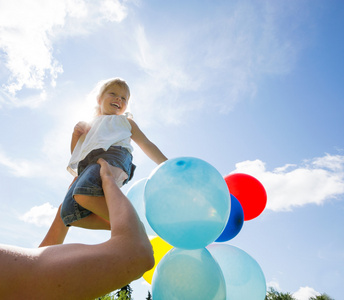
106	131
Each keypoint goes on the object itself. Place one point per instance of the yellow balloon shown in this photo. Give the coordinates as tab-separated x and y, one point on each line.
160	248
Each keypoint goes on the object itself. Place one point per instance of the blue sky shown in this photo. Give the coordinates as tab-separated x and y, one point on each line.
248	86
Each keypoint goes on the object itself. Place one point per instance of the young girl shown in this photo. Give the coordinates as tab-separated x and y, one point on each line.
109	137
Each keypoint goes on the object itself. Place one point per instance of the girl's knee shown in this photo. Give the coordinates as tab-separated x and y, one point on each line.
85	200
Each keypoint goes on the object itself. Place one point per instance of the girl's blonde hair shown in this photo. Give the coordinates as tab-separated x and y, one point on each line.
105	85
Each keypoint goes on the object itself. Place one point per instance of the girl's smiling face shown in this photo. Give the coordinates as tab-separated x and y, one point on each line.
114	100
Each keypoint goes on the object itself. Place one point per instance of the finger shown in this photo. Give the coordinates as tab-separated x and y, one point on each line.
101	161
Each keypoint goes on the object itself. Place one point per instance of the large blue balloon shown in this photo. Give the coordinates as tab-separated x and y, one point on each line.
187	202
188	274
136	196
244	277
235	221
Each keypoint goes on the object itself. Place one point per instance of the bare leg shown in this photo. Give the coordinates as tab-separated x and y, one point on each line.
98	220
98	205
77	271
93	222
57	232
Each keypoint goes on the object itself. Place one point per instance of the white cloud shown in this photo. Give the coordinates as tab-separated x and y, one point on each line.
113	10
332	162
223	56
247	39
21	167
42	215
167	78
273	284
314	182
28	30
47	166
160	61
304	293
25	28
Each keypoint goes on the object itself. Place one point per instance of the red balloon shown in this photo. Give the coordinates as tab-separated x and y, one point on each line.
249	192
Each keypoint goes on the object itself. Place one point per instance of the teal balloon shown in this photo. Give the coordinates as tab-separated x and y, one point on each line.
136	196
188	274
244	278
187	202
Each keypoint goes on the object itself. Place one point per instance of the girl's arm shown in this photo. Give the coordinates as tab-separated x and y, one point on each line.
150	149
79	129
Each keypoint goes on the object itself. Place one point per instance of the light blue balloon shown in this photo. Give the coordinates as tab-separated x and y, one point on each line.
188	274
244	278
136	196
187	202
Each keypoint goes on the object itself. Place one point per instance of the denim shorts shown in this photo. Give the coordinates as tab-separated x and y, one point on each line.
89	182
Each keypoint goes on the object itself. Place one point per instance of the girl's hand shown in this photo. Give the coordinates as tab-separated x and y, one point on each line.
81	128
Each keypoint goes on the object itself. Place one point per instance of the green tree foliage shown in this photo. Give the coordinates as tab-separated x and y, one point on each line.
149	297
124	293
107	297
272	294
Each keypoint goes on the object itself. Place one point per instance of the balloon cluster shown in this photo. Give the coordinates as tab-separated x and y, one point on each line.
190	209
